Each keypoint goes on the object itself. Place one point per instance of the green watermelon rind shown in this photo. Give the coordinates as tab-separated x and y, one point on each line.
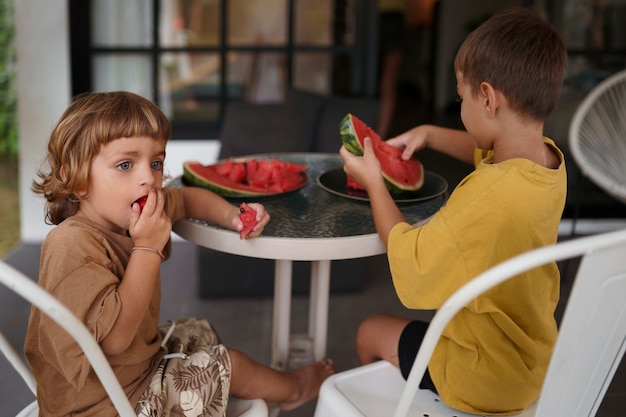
348	137
399	190
350	141
196	180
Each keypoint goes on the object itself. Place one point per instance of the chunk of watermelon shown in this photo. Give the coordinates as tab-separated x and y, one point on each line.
248	217
247	177
401	176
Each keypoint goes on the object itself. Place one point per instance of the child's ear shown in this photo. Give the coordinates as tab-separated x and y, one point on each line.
489	98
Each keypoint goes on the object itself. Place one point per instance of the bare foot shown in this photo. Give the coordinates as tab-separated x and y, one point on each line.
311	378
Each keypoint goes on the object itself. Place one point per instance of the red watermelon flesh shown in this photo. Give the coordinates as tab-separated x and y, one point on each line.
142	201
352	184
400	175
248	217
246	177
225	167
237	173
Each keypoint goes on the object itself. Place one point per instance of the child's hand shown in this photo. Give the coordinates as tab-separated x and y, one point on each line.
262	217
365	169
411	141
150	226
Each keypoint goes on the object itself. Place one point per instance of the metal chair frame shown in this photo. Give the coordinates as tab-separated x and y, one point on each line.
36	295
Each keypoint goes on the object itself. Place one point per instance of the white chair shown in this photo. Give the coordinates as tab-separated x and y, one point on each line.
597	135
29	290
591	342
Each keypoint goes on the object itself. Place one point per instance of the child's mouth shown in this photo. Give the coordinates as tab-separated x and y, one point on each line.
141	201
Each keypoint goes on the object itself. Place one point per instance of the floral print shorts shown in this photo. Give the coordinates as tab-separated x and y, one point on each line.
193	379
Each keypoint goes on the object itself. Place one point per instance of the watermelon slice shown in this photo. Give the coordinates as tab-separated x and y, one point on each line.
246	178
401	176
248	218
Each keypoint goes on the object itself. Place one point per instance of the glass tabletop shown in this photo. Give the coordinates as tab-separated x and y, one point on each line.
312	212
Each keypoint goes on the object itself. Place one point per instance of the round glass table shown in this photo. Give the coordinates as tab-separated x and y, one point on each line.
309	224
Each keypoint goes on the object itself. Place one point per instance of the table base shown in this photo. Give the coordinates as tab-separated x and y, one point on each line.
318	310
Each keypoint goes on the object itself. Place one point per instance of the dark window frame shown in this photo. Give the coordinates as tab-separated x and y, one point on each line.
363	56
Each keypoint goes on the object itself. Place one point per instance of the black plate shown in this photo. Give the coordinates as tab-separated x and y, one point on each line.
334	181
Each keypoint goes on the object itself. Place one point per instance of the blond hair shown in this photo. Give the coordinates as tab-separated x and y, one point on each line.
91	121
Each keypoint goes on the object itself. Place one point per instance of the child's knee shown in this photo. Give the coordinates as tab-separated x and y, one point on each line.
367	334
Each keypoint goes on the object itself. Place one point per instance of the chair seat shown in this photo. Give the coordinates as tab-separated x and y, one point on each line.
375	390
246	408
31	410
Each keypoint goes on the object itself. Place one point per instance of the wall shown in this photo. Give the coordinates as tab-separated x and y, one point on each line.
43	92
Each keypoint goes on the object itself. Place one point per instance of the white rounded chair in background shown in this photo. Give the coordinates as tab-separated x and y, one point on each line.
597	135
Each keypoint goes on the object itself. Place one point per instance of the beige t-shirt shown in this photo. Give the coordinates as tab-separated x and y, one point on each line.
82	265
493	355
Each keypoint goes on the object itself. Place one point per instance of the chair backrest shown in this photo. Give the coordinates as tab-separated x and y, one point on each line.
597	135
592	335
29	290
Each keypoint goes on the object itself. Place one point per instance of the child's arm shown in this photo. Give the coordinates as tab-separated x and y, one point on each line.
452	142
150	229
206	205
366	171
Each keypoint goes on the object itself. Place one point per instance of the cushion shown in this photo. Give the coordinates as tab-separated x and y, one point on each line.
258	128
251	128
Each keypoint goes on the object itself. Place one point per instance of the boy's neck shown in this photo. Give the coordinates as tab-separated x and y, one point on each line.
523	141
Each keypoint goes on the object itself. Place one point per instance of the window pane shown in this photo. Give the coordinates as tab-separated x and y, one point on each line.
314	22
313	72
121	22
260	76
189	86
123	72
190	23
594	24
257	22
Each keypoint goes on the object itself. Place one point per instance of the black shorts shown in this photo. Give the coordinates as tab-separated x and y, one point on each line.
410	341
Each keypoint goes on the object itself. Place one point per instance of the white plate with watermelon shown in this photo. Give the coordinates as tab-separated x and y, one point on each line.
247	177
335	182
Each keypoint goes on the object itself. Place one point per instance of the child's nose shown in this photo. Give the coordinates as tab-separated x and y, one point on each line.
148	176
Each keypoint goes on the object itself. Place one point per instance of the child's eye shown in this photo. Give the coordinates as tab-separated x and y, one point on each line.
157	165
124	166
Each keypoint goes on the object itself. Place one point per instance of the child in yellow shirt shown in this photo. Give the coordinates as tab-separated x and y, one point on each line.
493	356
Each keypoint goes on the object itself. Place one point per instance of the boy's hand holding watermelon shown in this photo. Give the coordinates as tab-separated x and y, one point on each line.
401	175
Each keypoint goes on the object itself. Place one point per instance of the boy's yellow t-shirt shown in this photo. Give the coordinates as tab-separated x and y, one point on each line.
493	356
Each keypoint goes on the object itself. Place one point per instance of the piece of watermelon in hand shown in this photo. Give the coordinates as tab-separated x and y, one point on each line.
352	184
248	218
142	201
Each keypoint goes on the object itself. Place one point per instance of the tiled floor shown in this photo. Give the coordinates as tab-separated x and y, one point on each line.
245	323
